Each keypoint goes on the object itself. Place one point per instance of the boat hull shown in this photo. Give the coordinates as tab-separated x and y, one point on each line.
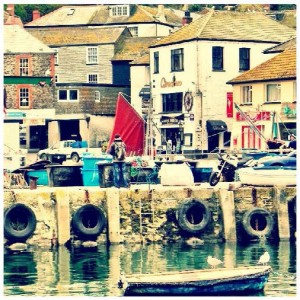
268	176
233	285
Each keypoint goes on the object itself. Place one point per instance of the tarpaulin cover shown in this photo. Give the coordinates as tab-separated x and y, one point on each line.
130	126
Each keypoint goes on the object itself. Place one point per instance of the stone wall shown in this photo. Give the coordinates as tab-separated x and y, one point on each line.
157	208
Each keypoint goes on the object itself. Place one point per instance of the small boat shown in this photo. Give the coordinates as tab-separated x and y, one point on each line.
268	176
207	282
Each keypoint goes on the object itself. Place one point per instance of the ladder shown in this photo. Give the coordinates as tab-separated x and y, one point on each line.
146	214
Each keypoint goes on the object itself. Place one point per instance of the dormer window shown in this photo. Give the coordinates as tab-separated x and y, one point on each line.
119	10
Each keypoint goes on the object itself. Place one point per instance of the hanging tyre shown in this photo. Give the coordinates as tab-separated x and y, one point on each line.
88	222
19	222
258	222
193	215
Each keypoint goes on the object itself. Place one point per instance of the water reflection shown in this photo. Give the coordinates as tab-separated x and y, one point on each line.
95	271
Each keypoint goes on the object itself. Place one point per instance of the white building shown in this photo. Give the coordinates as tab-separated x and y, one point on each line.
193	105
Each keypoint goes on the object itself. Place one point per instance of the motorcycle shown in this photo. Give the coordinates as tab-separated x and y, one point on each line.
226	168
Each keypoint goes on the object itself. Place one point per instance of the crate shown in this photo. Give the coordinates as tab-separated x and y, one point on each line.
89	162
201	174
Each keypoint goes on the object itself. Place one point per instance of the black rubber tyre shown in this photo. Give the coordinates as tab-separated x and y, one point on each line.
214	178
75	157
19	222
88	222
193	215
259	218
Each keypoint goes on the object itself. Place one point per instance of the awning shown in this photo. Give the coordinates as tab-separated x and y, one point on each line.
145	92
215	125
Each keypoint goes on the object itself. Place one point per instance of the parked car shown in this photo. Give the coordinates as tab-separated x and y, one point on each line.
289	160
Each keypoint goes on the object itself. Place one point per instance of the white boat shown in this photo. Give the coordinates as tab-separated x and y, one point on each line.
268	176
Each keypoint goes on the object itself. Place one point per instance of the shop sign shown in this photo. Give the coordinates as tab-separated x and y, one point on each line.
34	122
166	84
254	116
169	121
288	110
15	114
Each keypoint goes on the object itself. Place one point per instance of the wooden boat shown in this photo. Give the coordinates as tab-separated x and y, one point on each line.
268	176
209	282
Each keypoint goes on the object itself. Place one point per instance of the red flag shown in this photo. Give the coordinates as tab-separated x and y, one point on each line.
130	126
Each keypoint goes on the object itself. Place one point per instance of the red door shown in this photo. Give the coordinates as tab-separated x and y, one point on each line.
250	139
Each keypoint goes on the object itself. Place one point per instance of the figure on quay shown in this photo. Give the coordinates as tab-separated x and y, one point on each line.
292	143
118	151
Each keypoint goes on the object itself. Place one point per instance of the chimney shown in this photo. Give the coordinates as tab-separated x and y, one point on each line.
36	14
161	13
11	9
187	19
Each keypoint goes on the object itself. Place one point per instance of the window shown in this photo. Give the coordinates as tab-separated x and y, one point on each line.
177	60
119	10
217	58
273	92
92	78
134	30
56	78
97	96
172	102
24	67
244	59
156	62
68	95
92	55
24	97
247	94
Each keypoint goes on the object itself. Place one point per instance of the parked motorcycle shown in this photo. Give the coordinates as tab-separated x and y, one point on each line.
226	168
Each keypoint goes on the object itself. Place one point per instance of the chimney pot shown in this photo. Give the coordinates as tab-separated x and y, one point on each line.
187	19
35	14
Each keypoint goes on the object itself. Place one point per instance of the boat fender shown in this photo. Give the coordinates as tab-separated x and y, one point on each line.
19	222
193	215
257	222
88	222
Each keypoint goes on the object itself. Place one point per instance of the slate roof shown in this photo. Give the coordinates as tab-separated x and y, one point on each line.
99	15
291	43
280	67
231	26
134	48
78	36
18	40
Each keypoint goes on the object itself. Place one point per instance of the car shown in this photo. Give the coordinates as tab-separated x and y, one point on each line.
289	160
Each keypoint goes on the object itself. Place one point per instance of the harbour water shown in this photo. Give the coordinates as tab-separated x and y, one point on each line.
95	271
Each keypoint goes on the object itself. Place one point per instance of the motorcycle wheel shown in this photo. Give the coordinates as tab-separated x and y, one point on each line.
214	178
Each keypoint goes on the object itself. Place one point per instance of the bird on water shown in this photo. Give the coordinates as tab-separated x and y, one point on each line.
213	262
264	259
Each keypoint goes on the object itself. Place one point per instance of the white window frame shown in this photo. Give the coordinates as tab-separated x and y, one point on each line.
24	97
68	95
119	10
97	96
93	74
134	30
91	58
276	90
246	94
24	66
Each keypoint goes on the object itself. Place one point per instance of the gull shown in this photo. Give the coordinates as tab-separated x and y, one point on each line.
264	259
213	262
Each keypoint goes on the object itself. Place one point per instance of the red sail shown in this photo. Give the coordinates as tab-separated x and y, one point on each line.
131	127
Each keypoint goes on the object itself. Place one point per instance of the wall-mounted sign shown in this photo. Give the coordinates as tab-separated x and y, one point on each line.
165	84
192	117
255	116
229	106
288	110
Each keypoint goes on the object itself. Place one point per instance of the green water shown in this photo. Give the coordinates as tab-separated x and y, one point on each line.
95	272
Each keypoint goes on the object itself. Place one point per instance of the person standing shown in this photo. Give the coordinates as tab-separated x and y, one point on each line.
292	143
118	151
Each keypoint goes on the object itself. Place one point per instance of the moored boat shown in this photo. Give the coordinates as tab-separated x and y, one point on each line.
209	282
268	176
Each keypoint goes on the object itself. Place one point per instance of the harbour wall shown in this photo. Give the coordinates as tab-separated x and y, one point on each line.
155	213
